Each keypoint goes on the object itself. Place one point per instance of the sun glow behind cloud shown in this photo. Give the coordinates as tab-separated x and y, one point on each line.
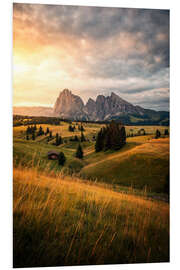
90	51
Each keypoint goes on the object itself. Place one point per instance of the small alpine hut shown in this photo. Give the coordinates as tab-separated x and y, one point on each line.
53	154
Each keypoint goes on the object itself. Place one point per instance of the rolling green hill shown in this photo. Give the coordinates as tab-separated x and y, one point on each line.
143	162
143	165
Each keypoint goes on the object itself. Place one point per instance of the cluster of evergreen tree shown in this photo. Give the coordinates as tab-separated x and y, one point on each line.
50	137
166	132
40	131
19	120
71	128
59	140
31	129
83	139
158	134
75	139
47	131
81	128
34	132
113	136
79	152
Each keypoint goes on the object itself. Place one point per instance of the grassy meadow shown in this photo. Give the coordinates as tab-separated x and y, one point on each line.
109	207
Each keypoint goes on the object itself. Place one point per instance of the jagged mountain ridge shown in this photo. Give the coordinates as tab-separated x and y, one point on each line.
70	106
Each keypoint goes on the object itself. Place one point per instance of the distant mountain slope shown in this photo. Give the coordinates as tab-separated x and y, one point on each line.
70	106
33	111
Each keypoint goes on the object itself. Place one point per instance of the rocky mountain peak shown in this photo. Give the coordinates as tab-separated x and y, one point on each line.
68	105
100	98
114	95
66	92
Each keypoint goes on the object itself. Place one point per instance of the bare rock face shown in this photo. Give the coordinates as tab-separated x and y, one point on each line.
90	109
69	105
118	104
110	106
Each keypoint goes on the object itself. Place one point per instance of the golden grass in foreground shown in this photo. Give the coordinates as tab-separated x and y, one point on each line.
64	221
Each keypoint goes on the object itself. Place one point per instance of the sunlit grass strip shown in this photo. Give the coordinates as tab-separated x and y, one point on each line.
64	221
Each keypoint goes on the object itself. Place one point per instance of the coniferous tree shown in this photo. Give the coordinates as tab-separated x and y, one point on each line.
76	138
60	141
40	131
113	136
50	134
81	128
100	140
28	130
57	139
61	159
123	136
79	152
83	139
71	128
47	130
106	137
33	135
158	134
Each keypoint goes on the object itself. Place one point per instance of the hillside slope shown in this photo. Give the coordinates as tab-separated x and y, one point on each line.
145	165
65	221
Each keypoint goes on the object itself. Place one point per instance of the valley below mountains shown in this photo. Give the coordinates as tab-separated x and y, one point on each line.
113	107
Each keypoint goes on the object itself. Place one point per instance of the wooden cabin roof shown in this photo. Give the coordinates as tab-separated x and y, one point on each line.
53	152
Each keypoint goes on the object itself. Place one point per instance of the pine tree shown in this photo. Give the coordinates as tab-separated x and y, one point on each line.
60	141
166	132
40	132
76	138
28	130
61	158
83	139
57	139
158	134
79	152
123	136
113	136
99	141
33	136
47	130
71	128
106	140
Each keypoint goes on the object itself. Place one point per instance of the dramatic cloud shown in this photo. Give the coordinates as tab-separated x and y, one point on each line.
91	50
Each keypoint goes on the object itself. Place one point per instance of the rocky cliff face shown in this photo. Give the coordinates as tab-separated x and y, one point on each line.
71	106
105	108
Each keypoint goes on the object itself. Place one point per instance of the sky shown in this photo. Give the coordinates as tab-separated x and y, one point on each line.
90	51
